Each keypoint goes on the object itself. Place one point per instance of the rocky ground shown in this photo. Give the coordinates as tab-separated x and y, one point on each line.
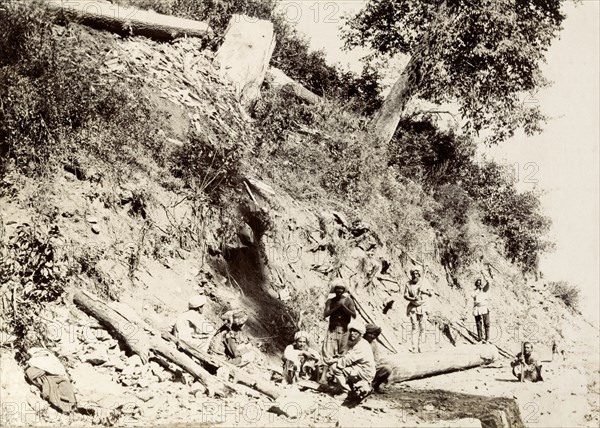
113	389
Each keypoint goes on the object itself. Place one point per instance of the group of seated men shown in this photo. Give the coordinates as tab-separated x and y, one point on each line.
347	361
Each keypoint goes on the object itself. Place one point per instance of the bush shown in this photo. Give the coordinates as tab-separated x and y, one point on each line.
56	103
516	217
450	218
209	167
422	152
33	271
566	292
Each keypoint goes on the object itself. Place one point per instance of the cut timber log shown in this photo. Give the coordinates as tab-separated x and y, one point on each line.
130	335
140	342
215	362
277	79
128	21
414	366
213	385
244	56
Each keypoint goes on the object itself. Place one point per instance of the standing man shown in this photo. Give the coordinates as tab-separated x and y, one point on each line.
192	327
340	310
481	311
416	309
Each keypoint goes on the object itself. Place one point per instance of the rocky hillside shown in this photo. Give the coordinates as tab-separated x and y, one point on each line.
130	230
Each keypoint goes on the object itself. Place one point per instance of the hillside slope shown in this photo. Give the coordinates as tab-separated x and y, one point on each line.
146	239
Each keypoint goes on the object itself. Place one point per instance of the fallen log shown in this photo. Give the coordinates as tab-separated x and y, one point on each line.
130	335
215	362
140	342
277	79
128	21
212	384
415	366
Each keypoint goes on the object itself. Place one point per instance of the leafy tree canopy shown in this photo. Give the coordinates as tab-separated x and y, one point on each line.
483	54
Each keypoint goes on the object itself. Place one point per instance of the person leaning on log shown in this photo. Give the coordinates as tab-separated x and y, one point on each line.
416	309
340	310
299	360
230	342
355	370
382	371
527	362
192	327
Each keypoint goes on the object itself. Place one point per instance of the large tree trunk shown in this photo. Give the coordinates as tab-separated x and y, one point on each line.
129	21
216	362
130	335
384	123
414	366
140	342
245	54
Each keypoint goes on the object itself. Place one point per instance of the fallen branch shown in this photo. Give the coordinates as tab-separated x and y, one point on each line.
130	335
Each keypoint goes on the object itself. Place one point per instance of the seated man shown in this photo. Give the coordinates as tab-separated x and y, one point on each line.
532	370
355	370
299	361
192	327
229	341
382	372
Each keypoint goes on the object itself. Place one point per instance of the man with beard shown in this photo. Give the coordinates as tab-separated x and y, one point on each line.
355	370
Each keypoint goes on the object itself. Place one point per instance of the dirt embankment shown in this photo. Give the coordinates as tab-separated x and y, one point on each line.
280	275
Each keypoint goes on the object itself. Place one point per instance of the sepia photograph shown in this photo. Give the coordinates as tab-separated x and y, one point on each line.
300	213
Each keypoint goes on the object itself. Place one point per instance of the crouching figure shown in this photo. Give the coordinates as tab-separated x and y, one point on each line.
230	342
526	364
354	371
299	360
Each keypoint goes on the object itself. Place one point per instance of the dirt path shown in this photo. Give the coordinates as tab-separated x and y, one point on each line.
564	399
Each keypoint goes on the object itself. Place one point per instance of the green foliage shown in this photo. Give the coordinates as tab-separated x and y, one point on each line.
277	113
568	293
451	219
443	162
397	209
294	57
483	55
